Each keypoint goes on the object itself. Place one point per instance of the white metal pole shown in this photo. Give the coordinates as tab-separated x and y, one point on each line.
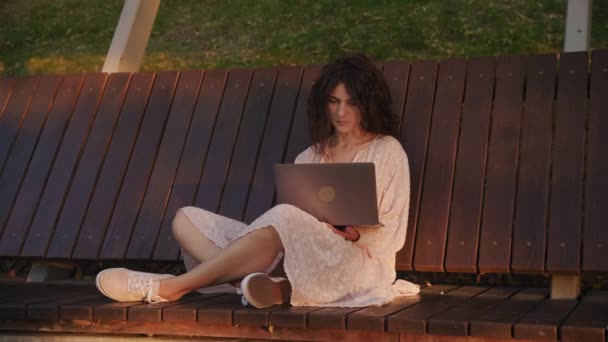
578	25
131	36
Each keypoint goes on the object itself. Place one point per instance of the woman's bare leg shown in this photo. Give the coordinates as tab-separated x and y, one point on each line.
251	253
192	240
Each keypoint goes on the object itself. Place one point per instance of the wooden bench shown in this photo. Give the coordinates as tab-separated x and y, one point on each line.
508	177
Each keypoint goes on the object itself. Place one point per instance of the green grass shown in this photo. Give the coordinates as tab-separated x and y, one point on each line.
67	36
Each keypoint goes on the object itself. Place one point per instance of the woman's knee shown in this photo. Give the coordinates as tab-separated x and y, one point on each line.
284	209
180	224
270	237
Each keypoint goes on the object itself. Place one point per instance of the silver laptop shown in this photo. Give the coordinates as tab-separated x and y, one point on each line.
342	194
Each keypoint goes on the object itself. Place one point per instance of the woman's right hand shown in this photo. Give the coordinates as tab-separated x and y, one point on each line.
349	233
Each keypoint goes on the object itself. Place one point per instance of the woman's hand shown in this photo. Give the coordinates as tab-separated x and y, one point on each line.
349	233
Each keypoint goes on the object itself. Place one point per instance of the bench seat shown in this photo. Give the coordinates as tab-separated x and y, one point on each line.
494	313
508	176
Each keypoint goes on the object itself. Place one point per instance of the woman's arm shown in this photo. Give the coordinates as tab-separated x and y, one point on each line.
394	182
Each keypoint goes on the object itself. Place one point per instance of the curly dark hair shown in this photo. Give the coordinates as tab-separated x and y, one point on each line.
363	82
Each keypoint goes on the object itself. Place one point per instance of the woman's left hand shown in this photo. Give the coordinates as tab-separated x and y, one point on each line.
349	233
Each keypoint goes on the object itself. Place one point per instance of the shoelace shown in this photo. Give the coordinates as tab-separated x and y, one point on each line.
142	285
152	300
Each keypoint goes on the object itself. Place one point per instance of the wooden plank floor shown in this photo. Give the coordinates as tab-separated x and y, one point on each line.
478	312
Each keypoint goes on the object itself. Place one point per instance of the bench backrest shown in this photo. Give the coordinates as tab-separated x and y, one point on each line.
508	173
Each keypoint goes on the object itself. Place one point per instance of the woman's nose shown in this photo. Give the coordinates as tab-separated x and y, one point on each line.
341	110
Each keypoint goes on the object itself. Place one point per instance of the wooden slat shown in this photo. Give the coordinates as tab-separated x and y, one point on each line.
8	291
152	209
465	214
379	318
111	175
168	311
501	168
455	320
329	318
51	136
596	186
415	129
220	312
113	311
16	165
544	320
16	307
85	176
192	160
252	317
222	143
274	142
529	228
15	290
291	316
14	111
154	312
220	332
374	318
498	321
13	311
187	312
140	167
50	309
587	322
596	296
6	88
396	74
253	122
60	177
415	319
437	184
82	310
299	138
565	225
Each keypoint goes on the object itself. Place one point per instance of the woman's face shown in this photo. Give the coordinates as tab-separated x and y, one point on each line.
344	111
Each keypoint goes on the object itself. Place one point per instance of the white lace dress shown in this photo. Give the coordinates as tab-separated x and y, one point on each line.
322	267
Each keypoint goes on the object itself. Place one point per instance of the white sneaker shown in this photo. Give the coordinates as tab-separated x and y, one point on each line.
262	291
124	285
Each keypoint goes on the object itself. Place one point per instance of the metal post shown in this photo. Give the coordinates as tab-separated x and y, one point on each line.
578	26
131	36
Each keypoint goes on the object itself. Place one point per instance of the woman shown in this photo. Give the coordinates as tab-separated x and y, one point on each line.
350	120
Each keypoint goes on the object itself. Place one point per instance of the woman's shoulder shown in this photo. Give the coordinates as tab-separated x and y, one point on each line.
390	145
307	156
